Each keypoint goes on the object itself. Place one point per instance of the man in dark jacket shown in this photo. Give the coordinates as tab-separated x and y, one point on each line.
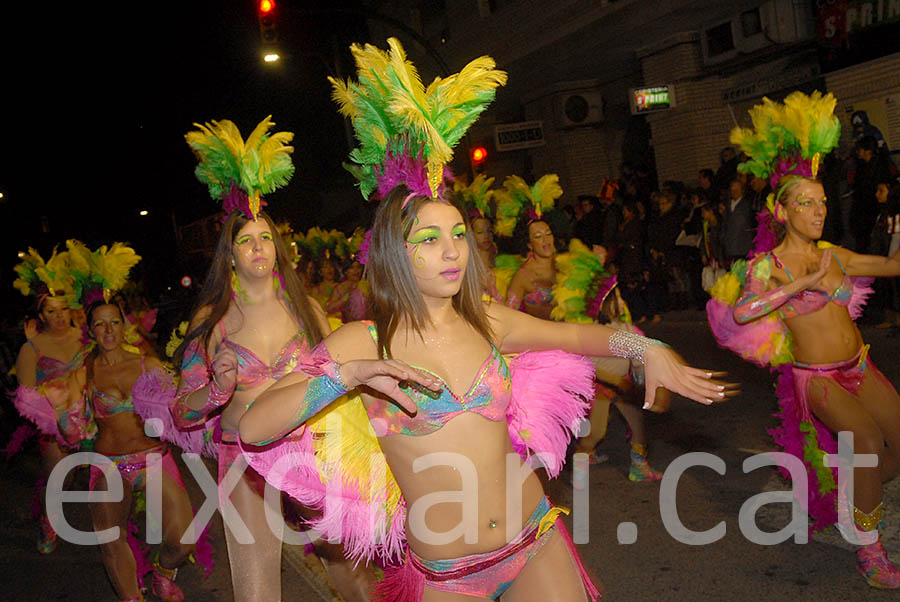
739	224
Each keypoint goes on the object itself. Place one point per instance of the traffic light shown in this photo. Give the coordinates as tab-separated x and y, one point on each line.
268	14
479	154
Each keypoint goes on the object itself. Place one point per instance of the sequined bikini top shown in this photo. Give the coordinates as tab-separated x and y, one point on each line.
106	405
253	372
49	368
810	301
541	295
488	396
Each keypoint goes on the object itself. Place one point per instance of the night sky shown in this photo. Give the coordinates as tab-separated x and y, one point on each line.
93	131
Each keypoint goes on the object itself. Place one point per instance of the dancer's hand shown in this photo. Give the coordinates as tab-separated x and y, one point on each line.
224	369
386	376
665	368
64	393
813	280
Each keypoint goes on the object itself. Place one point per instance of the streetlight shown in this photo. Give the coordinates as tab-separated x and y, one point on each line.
271	57
143	212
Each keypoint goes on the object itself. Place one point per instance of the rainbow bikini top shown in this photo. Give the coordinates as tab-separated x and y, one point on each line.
253	372
810	301
540	296
106	405
488	396
49	368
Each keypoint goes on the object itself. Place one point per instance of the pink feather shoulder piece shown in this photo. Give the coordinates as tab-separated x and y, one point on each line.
152	395
551	395
38	409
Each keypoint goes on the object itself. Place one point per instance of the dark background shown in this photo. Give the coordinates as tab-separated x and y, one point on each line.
98	98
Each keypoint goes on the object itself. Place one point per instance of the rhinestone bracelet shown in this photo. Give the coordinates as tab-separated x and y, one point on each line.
337	376
629	345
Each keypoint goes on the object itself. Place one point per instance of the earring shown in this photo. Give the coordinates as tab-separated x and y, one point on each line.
236	290
278	279
779	213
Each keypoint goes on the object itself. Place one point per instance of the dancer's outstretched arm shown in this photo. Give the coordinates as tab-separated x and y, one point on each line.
517	331
341	363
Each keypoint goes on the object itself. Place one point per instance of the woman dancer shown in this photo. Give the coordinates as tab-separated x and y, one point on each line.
327	281
350	297
46	361
476	199
253	323
799	288
618	383
111	371
546	294
427	290
531	287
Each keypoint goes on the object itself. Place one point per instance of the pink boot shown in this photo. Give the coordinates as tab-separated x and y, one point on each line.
164	586
873	564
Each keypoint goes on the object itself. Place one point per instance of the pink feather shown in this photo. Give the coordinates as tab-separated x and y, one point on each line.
401	583
551	394
787	435
862	289
148	320
139	550
752	341
410	171
38	409
765	239
17	440
204	552
152	394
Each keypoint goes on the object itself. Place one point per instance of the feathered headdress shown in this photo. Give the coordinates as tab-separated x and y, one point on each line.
517	200
582	285
97	275
239	172
39	278
788	138
407	132
475	197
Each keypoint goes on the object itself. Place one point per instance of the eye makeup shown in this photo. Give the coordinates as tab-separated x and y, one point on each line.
422	235
802	202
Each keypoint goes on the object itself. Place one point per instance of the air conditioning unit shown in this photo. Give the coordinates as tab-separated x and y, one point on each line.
577	108
787	21
773	22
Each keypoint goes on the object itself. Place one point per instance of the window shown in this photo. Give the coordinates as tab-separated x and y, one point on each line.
751	23
719	39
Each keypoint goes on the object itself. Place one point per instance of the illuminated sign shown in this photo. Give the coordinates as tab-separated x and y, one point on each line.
648	100
512	136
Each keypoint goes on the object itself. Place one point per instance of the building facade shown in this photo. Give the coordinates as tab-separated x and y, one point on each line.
574	66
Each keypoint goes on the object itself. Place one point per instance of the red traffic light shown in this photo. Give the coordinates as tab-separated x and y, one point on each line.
268	15
479	154
266	6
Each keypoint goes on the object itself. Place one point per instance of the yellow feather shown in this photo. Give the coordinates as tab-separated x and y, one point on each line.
230	136
477	76
274	145
255	137
344	97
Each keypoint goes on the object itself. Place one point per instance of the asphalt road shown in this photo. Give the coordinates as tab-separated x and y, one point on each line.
656	566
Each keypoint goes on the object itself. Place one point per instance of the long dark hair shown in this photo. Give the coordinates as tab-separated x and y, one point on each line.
216	290
395	294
